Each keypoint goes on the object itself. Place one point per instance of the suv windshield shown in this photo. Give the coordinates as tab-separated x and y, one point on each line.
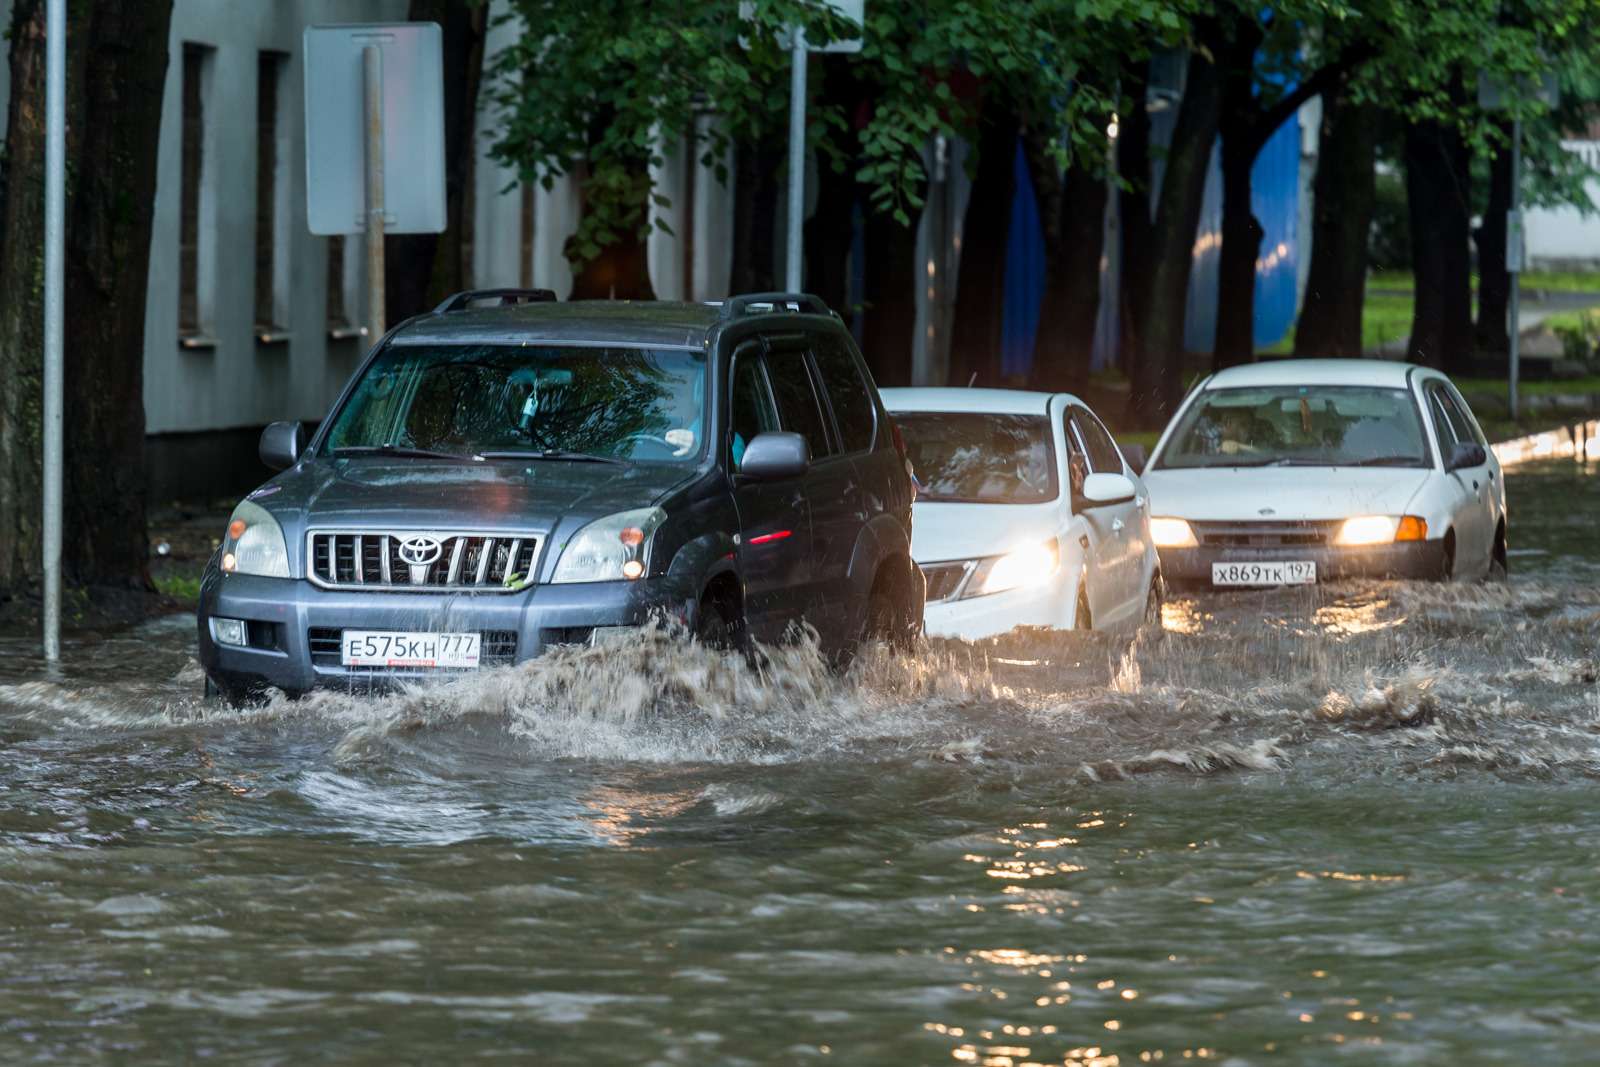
1298	425
962	457
471	400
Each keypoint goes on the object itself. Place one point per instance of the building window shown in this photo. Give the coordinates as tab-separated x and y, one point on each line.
271	212
195	222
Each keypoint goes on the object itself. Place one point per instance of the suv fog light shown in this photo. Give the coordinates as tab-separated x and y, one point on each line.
229	632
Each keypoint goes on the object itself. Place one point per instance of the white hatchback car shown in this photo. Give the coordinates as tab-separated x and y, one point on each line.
1027	513
1292	471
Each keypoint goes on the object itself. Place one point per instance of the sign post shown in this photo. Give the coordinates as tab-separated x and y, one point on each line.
55	199
375	138
1492	96
854	11
372	71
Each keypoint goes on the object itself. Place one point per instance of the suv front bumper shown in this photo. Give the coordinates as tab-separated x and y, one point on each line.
285	618
1405	559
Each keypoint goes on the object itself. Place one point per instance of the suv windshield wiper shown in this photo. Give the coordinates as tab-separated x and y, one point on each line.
395	450
1386	461
551	453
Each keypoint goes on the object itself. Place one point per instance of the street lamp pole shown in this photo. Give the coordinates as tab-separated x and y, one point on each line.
1514	248
55	200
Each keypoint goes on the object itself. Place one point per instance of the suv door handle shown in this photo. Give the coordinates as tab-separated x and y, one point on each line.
1116	525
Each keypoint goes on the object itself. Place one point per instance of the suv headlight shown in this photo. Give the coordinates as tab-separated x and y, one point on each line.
614	548
254	543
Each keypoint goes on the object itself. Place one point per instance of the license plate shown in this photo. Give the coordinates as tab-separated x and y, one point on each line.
1276	572
395	648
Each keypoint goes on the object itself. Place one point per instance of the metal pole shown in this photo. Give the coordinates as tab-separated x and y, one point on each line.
55	199
372	64
1514	264
797	156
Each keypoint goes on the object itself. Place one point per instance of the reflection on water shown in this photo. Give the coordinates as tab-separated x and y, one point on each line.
1293	823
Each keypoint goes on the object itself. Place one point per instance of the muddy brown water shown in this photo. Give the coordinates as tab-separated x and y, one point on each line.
1355	822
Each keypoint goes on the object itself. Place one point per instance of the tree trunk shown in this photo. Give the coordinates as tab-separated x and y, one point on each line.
1344	191
117	65
1157	381
981	274
890	295
1437	201
1235	339
828	233
421	269
1072	210
1494	281
756	189
1133	212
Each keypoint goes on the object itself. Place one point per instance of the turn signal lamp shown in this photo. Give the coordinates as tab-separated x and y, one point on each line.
1172	533
1412	528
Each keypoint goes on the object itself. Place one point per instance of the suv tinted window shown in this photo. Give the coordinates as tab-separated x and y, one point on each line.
1104	456
797	400
853	409
752	410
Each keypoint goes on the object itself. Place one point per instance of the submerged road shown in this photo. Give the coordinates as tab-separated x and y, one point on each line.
1350	819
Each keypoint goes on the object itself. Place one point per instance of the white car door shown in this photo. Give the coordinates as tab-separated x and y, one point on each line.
1090	527
1124	546
1469	487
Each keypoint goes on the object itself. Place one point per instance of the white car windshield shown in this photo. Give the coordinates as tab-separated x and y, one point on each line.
965	457
505	400
1298	425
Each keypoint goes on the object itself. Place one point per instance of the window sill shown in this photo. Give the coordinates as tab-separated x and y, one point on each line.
271	335
346	333
197	341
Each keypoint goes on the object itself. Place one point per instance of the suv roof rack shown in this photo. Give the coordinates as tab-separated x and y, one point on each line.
506	297
766	303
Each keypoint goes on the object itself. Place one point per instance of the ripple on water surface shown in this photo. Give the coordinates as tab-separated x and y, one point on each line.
1287	824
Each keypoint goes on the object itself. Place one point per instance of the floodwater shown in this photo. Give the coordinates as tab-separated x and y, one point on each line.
1351	823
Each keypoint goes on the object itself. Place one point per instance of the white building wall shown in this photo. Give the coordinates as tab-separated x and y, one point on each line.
237	381
1564	236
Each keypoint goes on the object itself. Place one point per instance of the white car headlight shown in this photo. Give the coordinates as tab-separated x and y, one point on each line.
614	548
254	543
1381	530
1172	533
1019	567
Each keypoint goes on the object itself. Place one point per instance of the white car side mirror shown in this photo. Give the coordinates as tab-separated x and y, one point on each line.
1100	489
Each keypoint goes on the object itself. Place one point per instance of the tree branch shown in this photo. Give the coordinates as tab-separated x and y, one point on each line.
1267	121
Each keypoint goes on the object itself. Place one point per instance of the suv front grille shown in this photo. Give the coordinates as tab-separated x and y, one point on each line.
945	579
421	560
498	649
1263	534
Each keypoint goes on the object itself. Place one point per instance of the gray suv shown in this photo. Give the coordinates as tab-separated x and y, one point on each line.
497	480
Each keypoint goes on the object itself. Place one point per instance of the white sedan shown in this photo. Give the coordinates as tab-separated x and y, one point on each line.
1297	470
1027	513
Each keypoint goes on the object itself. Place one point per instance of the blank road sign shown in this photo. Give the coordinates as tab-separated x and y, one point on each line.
413	127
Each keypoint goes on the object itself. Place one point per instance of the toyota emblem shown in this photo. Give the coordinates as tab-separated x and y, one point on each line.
420	550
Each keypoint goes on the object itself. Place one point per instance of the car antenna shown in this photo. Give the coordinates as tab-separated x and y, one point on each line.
972	380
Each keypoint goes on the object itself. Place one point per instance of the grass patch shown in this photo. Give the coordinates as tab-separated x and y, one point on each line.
178	586
1384	320
1497	386
1557	281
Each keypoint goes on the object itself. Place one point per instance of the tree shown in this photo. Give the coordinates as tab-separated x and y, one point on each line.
117	64
1343	195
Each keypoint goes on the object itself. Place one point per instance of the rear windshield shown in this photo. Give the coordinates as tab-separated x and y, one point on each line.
961	457
621	403
1298	425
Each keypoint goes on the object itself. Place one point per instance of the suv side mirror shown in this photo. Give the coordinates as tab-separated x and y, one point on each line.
774	456
1465	454
1102	489
281	443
